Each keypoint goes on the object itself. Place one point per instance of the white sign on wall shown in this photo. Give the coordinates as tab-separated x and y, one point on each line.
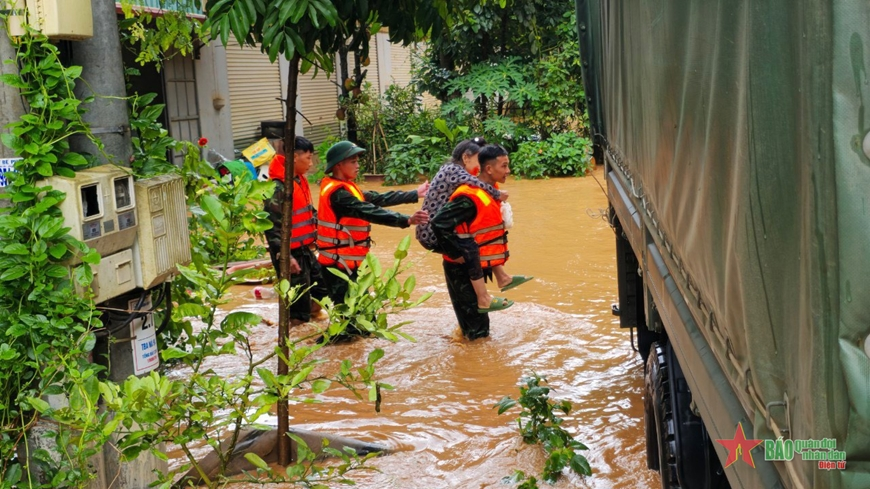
145	353
6	165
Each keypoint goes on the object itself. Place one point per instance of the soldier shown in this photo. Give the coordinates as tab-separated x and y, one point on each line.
305	271
471	234
345	214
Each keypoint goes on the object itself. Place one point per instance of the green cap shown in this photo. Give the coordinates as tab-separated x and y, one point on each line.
339	152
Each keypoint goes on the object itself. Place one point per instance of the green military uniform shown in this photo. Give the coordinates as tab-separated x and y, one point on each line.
459	275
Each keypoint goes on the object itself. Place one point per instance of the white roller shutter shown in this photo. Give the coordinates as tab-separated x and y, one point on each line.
255	90
318	97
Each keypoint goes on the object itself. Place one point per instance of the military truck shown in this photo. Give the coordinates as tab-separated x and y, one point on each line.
734	136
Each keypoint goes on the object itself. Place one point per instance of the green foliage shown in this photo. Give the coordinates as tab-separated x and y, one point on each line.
508	71
538	423
204	406
562	155
384	123
423	155
151	141
374	295
558	104
321	150
524	481
367	109
47	330
156	38
225	215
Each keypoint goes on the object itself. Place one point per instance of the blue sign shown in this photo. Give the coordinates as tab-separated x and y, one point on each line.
6	165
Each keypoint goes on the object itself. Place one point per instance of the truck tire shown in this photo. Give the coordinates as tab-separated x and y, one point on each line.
663	420
678	445
651	372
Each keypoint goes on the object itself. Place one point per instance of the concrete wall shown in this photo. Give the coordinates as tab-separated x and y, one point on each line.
214	98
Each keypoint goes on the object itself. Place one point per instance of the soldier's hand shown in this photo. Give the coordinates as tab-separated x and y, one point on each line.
294	267
423	189
419	217
503	195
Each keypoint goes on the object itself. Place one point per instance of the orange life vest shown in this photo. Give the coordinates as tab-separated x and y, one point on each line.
303	225
342	241
487	228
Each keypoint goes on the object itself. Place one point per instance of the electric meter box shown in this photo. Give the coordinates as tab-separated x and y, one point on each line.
70	20
112	277
164	239
100	208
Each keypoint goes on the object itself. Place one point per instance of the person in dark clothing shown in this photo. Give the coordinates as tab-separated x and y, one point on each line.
305	271
345	214
471	233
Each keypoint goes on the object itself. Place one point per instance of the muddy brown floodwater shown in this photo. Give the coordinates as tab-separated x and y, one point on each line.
439	421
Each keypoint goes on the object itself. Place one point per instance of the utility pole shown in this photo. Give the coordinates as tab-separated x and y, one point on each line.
103	78
11	104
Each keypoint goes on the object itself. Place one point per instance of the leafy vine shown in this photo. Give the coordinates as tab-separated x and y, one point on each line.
47	329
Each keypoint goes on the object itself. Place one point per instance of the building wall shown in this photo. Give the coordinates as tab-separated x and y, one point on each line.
396	68
255	92
255	84
213	93
182	104
318	98
400	64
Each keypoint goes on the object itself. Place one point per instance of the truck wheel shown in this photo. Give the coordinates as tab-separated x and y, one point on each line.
678	445
663	416
645	340
651	368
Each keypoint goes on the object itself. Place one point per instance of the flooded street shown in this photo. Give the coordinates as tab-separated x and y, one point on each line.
439	421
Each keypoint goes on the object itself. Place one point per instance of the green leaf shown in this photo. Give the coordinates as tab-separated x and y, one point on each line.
256	461
171	353
74	159
16	249
441	125
90	341
92	257
57	271
213	207
44	169
410	284
13	273
73	72
13	80
38	404
320	385
7	353
12	476
57	250
375	355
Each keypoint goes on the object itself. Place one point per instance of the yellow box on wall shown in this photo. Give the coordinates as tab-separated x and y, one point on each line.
58	19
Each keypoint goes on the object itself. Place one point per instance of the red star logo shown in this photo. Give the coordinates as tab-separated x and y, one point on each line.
739	445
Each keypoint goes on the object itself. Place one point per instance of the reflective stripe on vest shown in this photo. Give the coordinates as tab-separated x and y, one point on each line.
487	229
344	242
302	229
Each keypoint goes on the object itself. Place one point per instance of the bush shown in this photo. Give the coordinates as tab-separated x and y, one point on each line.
563	155
408	161
386	121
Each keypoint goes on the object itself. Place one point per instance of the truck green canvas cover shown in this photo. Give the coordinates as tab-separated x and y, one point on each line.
740	127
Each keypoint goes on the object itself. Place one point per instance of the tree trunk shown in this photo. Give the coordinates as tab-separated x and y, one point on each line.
344	75
284	450
352	126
